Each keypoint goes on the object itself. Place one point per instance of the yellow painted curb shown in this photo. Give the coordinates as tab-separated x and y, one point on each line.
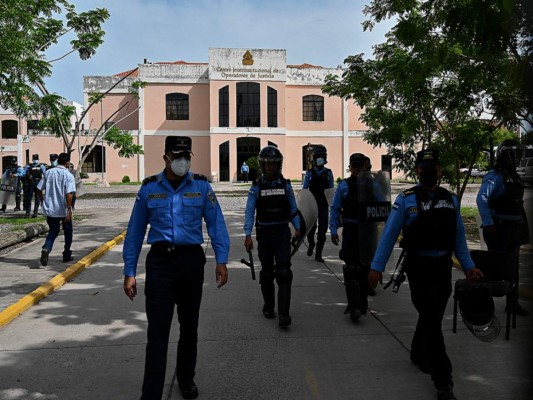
14	310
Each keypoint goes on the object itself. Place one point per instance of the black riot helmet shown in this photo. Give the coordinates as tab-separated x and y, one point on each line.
320	152
477	309
270	161
509	153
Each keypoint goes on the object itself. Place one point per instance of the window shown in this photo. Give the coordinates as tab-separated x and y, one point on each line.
10	129
223	107
313	108
272	99
95	161
177	106
248	104
33	126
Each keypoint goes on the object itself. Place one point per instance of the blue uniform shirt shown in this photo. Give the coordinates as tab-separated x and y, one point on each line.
309	176
404	213
27	169
492	187
175	216
253	194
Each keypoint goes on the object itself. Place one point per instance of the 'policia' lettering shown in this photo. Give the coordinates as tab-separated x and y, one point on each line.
272	192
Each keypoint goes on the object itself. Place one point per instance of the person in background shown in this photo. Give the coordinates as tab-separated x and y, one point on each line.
500	202
244	172
317	179
174	203
433	230
33	173
15	170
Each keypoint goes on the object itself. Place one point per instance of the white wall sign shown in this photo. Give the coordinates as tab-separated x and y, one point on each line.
247	64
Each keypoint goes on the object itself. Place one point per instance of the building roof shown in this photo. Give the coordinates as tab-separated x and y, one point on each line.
305	65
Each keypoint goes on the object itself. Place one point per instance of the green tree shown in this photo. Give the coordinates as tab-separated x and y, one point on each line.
430	85
29	29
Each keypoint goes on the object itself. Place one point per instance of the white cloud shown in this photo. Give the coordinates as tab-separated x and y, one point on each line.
317	32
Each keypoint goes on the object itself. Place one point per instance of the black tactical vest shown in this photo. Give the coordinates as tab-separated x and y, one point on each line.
35	173
435	226
272	204
319	183
350	205
511	202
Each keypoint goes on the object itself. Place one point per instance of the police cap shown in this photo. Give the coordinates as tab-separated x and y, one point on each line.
428	157
357	159
35	157
178	144
53	157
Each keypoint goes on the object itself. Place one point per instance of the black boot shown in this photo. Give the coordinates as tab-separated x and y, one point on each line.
284	305
318	253
310	248
353	296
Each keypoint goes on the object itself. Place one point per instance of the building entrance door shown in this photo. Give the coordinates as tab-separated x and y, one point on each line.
247	150
223	162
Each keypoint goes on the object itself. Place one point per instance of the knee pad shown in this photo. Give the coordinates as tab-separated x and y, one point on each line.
284	276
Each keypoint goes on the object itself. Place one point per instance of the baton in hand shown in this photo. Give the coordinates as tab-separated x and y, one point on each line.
250	263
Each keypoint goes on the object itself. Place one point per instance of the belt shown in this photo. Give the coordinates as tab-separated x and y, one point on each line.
163	247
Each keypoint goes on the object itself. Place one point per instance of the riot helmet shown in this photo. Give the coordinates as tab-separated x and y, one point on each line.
270	161
320	155
477	309
509	153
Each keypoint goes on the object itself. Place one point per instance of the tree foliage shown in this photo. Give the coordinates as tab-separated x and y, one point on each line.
28	31
448	75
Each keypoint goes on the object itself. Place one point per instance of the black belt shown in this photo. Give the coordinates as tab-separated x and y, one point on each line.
163	247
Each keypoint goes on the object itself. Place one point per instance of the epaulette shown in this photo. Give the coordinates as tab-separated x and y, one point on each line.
199	177
409	191
149	179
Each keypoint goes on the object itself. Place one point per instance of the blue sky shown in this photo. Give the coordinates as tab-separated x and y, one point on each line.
319	32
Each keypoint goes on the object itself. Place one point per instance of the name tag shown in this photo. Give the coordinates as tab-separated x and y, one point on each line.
157	196
190	195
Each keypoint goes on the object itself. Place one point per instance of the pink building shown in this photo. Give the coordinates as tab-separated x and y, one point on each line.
238	102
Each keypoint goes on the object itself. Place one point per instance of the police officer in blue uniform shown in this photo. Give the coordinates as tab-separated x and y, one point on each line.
317	179
345	206
173	203
432	227
273	198
501	207
15	170
53	161
33	174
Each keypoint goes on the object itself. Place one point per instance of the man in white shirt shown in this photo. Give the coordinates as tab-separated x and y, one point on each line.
56	190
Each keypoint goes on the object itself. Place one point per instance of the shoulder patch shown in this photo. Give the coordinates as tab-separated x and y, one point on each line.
152	178
199	177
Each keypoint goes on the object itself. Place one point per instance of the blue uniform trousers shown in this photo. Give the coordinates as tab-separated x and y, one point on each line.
431	287
174	276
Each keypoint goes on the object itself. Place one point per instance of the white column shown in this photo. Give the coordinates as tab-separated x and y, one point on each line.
345	142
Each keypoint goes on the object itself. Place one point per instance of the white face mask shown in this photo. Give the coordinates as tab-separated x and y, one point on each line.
54	163
320	162
180	166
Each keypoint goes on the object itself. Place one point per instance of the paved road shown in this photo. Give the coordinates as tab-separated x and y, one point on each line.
86	341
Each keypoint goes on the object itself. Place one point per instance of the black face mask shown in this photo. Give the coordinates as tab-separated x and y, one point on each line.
428	178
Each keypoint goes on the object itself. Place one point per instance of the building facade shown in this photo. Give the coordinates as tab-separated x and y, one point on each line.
232	106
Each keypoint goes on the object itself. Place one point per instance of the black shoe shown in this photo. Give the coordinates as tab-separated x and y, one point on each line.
27	215
268	313
34	216
284	321
16	209
445	393
68	259
44	257
319	258
310	249
355	314
422	364
188	391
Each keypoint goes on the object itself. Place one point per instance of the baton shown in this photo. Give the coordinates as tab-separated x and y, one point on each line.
249	263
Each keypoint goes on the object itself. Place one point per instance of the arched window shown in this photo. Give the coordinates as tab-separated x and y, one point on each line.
313	108
248	104
10	129
223	107
272	98
177	106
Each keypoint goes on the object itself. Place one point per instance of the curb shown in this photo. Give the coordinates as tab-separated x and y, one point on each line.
28	233
14	310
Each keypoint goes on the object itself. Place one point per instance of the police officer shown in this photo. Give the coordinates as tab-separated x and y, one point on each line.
273	198
53	161
15	170
244	171
33	174
501	207
432	227
317	179
345	205
173	203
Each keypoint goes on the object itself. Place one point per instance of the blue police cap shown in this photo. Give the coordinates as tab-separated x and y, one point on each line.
178	144
427	157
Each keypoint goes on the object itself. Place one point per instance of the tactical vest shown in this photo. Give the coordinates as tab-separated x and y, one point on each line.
272	204
350	205
319	183
434	228
511	202
35	174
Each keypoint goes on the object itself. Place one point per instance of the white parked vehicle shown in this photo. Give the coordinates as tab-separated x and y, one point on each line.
525	170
